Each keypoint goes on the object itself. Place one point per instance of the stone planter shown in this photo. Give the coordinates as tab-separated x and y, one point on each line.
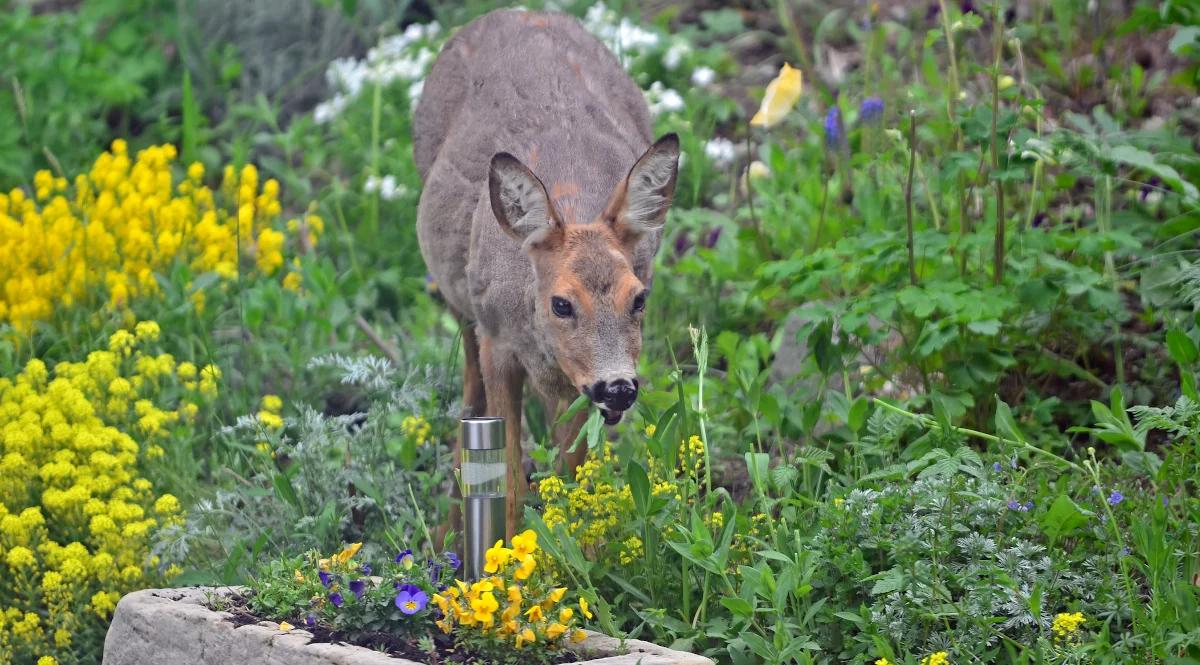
157	626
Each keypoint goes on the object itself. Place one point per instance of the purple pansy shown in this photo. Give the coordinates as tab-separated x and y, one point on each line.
455	562
336	599
411	599
405	558
357	587
365	569
310	621
326	578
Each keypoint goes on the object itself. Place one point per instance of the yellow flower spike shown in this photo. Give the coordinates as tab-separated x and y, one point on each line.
883	661
583	608
782	94
558	594
936	658
285	626
565	614
534	614
578	636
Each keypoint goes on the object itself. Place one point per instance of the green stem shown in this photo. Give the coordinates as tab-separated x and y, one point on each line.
998	250
930	422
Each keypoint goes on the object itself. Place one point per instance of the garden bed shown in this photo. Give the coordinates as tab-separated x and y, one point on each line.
180	625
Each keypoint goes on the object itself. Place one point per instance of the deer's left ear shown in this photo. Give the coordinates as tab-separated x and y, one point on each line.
639	204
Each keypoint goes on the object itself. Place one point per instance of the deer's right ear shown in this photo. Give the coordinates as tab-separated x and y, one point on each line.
520	203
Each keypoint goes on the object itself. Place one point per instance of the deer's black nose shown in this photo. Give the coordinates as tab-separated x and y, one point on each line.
616	396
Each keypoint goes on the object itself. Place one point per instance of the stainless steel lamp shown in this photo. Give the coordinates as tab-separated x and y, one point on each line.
484	488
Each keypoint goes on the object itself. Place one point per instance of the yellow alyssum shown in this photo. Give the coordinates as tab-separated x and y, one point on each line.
77	517
1066	624
103	239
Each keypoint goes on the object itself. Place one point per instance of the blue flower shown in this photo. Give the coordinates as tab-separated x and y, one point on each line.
310	621
1028	506
455	562
1020	507
405	559
996	467
326	578
411	599
870	110
336	599
1115	498
435	571
358	586
365	568
1014	505
833	128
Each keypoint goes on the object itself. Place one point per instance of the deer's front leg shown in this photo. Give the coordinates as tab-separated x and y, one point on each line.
503	380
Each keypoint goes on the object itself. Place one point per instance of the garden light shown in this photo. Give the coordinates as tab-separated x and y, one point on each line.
484	469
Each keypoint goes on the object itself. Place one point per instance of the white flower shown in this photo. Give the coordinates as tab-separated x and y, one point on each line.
386	187
662	99
703	76
719	151
620	36
403	57
674	55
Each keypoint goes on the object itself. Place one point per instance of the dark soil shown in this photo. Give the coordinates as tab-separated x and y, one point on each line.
393	645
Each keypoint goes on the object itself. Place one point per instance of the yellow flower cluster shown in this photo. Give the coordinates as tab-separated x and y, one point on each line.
595	509
533	609
270	413
1065	624
416	428
125	221
76	515
936	658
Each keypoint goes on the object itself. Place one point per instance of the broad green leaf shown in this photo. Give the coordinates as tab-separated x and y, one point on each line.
1063	517
1181	347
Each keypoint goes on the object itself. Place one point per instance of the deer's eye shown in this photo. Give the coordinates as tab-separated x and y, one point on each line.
639	302
561	307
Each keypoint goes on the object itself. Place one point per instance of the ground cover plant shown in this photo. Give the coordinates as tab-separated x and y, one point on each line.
920	358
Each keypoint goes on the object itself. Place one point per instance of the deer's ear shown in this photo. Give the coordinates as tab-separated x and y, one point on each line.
640	203
520	203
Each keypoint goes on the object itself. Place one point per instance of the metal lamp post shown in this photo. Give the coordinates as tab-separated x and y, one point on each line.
484	488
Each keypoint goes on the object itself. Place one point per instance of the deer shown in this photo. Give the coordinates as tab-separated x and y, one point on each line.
543	203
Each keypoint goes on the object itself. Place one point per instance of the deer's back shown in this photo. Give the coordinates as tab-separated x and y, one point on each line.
536	85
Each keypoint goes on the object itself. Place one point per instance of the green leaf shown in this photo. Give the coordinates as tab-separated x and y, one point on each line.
284	490
1063	517
639	486
1181	347
739	606
1138	158
1006	424
887	581
757	469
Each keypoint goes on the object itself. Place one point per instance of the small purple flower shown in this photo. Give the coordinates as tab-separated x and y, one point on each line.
455	562
1115	498
365	569
871	110
713	236
358	586
326	578
682	243
1014	505
1039	219
435	571
996	467
405	559
336	599
310	621
1125	551
1027	507
411	599
1150	187
833	128
1165	501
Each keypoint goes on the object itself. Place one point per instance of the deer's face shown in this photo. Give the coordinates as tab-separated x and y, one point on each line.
590	303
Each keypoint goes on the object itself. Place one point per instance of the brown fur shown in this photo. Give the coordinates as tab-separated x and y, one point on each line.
515	100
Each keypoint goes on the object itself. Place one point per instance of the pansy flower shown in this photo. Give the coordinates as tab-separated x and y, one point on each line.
326	578
405	559
336	599
411	599
357	587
